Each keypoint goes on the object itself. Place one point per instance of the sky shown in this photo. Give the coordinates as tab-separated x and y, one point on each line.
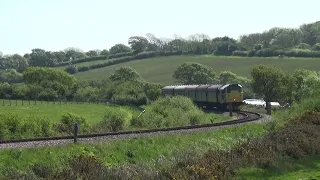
54	25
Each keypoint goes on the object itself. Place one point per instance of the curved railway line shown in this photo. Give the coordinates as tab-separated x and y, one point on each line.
243	117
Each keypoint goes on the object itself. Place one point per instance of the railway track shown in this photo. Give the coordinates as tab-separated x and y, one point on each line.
243	117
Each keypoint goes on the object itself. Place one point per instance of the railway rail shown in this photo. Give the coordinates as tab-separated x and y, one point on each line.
243	117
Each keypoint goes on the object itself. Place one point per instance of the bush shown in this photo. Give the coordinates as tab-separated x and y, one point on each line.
72	69
302	53
67	124
240	53
170	112
115	120
14	126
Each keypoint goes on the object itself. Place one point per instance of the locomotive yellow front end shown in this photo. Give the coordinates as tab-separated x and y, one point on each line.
233	95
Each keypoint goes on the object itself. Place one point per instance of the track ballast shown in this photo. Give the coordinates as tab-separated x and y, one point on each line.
52	141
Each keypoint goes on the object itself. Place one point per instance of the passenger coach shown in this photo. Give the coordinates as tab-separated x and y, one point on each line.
209	95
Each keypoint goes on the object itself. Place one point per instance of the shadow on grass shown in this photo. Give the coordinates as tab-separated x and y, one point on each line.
306	168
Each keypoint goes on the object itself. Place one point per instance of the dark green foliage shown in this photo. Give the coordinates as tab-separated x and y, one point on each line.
11	76
107	63
302	53
119	55
194	73
240	53
81	60
146	54
316	47
125	74
87	93
126	91
37	75
119	48
72	69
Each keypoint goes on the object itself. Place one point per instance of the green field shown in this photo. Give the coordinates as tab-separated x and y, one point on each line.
160	69
93	113
86	63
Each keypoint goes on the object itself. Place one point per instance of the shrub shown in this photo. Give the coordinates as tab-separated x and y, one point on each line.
14	126
240	53
67	123
71	69
170	111
83	167
115	120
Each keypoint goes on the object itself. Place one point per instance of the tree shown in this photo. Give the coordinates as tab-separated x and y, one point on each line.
227	77
92	53
154	42
125	74
138	43
267	81
119	48
60	56
19	63
104	53
40	57
316	47
194	73
74	53
306	82
39	75
224	45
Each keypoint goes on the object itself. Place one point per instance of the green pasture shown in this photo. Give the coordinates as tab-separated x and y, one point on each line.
85	63
160	69
92	112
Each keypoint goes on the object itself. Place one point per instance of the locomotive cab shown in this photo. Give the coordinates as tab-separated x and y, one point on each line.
232	94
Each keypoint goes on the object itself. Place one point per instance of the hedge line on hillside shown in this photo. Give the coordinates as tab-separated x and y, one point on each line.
268	52
142	55
95	58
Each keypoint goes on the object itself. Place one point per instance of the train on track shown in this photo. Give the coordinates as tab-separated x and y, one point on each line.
209	95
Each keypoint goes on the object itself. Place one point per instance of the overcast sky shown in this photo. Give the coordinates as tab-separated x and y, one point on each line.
99	24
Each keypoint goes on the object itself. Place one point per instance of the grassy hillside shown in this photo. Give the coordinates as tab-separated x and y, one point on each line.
160	69
85	63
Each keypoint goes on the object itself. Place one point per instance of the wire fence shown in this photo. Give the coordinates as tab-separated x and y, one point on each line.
29	102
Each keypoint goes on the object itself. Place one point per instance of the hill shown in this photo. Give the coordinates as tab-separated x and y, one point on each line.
160	69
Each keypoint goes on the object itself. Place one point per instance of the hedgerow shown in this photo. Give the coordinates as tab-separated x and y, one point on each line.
14	126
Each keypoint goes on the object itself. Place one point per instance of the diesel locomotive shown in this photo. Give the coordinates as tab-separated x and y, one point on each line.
222	97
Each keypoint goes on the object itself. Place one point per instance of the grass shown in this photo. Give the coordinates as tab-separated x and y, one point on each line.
150	150
92	112
144	149
85	63
160	69
307	168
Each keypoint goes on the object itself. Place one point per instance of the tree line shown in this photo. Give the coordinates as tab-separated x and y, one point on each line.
126	85
298	42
